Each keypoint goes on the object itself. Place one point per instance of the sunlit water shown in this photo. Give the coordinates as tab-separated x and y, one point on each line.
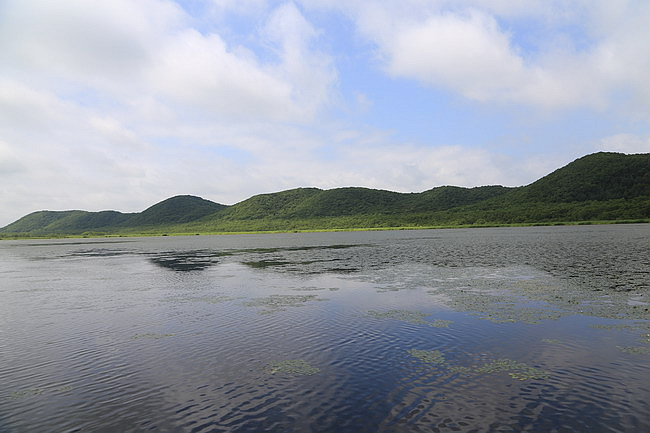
483	330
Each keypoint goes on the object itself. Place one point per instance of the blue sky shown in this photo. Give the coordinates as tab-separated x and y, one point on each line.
121	104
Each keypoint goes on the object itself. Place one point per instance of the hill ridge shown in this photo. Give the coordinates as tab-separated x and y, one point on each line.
599	186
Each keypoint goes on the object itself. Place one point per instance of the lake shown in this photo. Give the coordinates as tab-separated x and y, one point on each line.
536	329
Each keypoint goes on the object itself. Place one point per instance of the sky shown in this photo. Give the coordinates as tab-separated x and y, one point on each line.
120	104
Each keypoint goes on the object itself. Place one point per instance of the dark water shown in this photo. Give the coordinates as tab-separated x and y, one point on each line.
483	330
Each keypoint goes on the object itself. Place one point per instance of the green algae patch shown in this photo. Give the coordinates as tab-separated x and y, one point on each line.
30	392
211	299
315	289
504	307
610	327
151	336
461	369
414	317
214	299
274	303
428	356
516	370
637	325
292	367
24	393
63	389
643	326
635	350
525	295
217	299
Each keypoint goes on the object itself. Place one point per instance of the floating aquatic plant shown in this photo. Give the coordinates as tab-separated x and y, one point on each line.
645	337
460	369
502	296
498	292
410	317
529	374
315	289
151	336
213	299
38	391
440	323
516	370
64	388
636	350
428	356
642	325
274	303
26	393
218	299
292	367
610	327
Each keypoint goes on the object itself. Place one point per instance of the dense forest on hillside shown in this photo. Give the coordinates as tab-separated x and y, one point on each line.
599	187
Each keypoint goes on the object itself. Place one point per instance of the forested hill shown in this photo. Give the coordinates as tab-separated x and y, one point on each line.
314	202
602	186
174	210
600	176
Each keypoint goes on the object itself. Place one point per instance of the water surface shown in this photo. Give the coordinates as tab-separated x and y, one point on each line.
477	330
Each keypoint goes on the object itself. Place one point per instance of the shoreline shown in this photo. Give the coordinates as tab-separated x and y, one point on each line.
324	230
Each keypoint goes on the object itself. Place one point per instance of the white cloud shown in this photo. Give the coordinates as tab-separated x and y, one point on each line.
200	73
246	7
100	44
10	165
123	48
364	103
539	53
312	73
466	53
625	143
408	168
76	158
120	104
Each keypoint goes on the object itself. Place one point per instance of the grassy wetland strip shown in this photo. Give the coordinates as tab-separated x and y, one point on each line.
173	231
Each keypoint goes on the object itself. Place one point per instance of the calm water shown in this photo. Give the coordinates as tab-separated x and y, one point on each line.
484	330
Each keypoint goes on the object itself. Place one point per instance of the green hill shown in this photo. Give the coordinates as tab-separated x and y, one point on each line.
600	176
38	220
448	197
275	205
314	202
178	209
71	221
601	186
174	210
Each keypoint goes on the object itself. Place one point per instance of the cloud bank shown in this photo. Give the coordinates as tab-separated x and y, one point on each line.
121	104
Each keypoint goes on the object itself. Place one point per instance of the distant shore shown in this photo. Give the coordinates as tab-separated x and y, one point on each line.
316	230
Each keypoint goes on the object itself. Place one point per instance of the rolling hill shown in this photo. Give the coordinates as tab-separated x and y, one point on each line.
600	186
178	209
174	210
